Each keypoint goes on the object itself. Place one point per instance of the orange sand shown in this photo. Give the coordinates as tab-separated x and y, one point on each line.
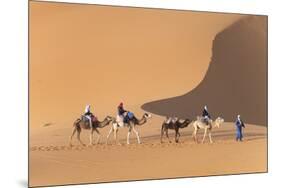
52	161
102	55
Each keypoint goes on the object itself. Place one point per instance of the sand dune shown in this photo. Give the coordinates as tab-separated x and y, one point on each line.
236	81
102	55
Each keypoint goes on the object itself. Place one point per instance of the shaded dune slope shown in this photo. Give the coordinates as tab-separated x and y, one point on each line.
236	81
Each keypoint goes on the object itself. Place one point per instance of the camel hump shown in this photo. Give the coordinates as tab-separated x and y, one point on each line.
168	120
94	119
175	119
183	120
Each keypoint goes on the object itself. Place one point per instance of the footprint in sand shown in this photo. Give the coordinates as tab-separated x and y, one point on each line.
41	148
47	124
34	148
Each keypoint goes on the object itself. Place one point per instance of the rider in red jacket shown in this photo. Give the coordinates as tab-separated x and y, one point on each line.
121	110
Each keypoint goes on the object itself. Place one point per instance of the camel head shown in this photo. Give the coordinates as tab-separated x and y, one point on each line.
183	122
218	122
109	118
146	115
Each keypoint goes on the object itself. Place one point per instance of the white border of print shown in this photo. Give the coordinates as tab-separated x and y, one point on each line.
14	91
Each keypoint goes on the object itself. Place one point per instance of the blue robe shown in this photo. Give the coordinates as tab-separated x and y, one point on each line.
239	125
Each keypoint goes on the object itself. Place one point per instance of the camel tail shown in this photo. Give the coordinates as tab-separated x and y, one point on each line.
163	126
76	123
190	122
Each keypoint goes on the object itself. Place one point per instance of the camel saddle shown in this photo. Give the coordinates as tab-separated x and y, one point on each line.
203	120
129	116
85	119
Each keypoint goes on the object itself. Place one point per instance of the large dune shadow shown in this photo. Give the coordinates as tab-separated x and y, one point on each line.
236	81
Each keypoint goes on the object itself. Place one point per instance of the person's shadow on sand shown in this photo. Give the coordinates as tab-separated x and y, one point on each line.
236	81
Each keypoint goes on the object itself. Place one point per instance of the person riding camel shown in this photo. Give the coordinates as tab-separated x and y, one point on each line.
89	115
205	114
121	111
121	114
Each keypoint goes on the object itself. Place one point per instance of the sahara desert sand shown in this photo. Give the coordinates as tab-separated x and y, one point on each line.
104	55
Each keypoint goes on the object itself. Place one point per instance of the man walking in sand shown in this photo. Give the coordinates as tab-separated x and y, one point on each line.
239	125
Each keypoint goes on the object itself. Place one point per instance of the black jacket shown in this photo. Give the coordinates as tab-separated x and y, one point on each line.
121	110
206	113
88	114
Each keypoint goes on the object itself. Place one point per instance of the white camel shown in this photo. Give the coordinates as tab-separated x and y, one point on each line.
116	124
200	124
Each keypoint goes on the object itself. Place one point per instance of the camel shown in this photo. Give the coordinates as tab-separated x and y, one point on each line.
131	126
174	124
79	125
199	124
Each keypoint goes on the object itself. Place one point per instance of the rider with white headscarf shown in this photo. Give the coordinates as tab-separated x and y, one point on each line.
206	115
88	114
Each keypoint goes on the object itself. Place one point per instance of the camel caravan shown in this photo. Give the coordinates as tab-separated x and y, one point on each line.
126	119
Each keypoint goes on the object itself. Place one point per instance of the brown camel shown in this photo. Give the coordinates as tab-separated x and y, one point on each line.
174	124
79	124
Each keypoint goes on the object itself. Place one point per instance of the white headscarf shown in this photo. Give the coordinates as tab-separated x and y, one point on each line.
238	117
87	108
205	107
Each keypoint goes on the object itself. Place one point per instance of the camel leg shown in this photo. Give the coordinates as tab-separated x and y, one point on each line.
194	135
73	133
116	137
78	137
210	137
162	132
98	139
176	136
91	137
205	132
109	133
115	131
167	135
137	134
128	135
